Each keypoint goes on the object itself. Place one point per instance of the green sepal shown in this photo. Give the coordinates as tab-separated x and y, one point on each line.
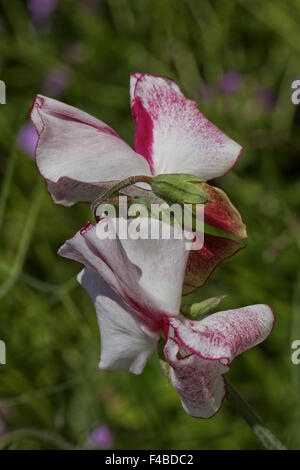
160	349
166	369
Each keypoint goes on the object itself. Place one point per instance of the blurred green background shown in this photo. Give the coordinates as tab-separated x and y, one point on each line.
238	60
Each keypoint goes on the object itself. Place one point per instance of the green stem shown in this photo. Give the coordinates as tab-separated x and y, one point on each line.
51	439
263	434
115	189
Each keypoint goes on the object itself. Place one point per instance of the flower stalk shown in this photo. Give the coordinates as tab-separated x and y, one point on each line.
116	188
254	421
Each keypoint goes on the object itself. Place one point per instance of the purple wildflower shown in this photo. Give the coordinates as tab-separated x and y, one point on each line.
231	82
101	437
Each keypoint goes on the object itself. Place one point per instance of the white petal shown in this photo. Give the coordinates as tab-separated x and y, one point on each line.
224	335
76	149
148	272
124	344
199	382
174	136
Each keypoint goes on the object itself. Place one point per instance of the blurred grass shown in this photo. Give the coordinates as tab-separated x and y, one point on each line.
51	380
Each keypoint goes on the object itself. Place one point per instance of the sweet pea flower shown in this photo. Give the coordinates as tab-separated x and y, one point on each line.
80	157
137	297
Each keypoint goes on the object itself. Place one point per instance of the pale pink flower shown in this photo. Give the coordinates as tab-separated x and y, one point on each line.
137	296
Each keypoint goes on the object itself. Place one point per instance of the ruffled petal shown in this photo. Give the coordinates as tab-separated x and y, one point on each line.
200	352
201	263
133	79
139	269
219	213
79	155
224	335
174	136
125	345
199	383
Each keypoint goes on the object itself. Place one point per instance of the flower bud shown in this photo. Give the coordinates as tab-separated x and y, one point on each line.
204	308
180	188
